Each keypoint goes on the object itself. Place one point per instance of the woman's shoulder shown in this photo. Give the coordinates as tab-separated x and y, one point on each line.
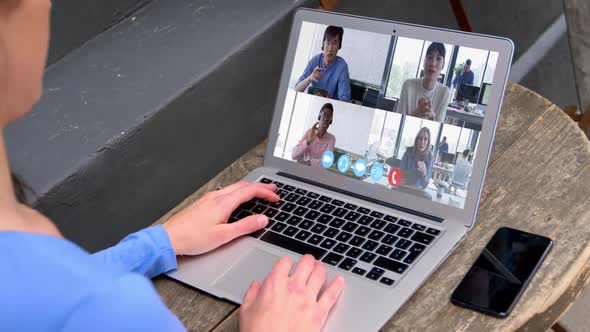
443	89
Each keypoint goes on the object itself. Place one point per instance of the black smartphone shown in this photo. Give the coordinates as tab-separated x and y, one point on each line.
502	271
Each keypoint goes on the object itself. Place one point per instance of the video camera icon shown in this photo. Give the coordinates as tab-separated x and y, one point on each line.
328	159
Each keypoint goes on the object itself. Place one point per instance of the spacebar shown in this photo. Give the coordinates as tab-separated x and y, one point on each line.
293	245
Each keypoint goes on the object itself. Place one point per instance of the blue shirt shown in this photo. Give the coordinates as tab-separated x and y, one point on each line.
336	79
466	78
410	173
51	284
443	148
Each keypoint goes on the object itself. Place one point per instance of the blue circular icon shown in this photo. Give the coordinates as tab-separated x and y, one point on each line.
377	172
344	163
328	159
360	167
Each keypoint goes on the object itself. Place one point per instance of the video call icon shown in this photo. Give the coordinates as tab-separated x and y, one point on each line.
360	168
376	172
343	163
328	159
395	177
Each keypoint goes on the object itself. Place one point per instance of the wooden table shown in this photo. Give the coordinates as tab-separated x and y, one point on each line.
538	181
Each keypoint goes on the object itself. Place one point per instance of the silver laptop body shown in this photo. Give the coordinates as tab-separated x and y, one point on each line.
365	304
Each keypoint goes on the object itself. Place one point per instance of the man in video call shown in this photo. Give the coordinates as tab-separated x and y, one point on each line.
465	76
326	73
316	140
426	97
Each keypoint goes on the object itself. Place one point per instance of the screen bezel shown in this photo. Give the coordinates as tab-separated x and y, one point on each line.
503	46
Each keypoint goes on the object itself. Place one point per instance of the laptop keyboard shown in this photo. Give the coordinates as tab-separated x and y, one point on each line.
368	243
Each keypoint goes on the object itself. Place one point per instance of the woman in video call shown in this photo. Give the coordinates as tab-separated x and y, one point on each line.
327	71
50	284
316	139
416	164
426	97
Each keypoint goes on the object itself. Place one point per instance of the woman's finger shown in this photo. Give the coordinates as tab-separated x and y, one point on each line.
330	295
251	294
316	279
250	224
302	272
243	194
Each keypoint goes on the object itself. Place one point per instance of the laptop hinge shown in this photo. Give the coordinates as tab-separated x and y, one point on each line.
365	198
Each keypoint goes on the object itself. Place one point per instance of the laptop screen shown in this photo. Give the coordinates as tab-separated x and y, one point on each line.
387	110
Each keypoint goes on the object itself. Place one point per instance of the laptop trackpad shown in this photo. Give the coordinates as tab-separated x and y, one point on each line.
253	266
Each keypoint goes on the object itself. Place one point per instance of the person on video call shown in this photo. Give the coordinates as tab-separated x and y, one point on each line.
426	97
316	140
416	164
465	76
443	147
327	71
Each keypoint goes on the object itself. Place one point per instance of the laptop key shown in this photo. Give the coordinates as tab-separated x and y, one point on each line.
278	227
290	231
376	214
300	210
328	244
315	239
289	207
403	244
312	215
411	257
278	184
384	250
359	271
370	245
258	233
398	254
363	210
419	227
302	235
389	239
352	216
277	204
288	187
354	252
243	214
365	220
232	220
325	199
292	197
391	228
362	231
282	193
318	228
404	223
344	237
313	195
282	216
376	235
327	208
378	224
337	202
306	224
347	264
339	212
357	241
433	231
331	232
386	281
341	248
324	218
372	275
315	205
390	218
368	257
332	258
350	206
422	238
337	223
350	227
417	248
271	212
405	232
301	191
265	180
293	245
294	220
247	205
390	265
303	201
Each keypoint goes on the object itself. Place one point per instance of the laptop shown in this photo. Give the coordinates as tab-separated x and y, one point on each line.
383	232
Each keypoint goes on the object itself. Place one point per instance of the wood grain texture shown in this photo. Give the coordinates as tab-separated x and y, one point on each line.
577	13
537	181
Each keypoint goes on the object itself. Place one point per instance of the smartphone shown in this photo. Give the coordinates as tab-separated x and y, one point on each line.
502	271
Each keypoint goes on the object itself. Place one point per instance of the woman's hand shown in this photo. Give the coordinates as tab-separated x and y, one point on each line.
422	168
313	133
290	303
202	226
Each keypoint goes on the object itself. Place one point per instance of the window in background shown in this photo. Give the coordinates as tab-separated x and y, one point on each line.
452	133
405	64
377	127
390	132
478	62
464	140
491	68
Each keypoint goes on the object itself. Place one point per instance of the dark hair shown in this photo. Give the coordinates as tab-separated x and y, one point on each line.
444	138
466	153
20	189
333	31
437	47
327	106
468	62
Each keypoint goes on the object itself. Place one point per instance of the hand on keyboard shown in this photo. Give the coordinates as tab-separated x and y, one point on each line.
202	226
290	303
